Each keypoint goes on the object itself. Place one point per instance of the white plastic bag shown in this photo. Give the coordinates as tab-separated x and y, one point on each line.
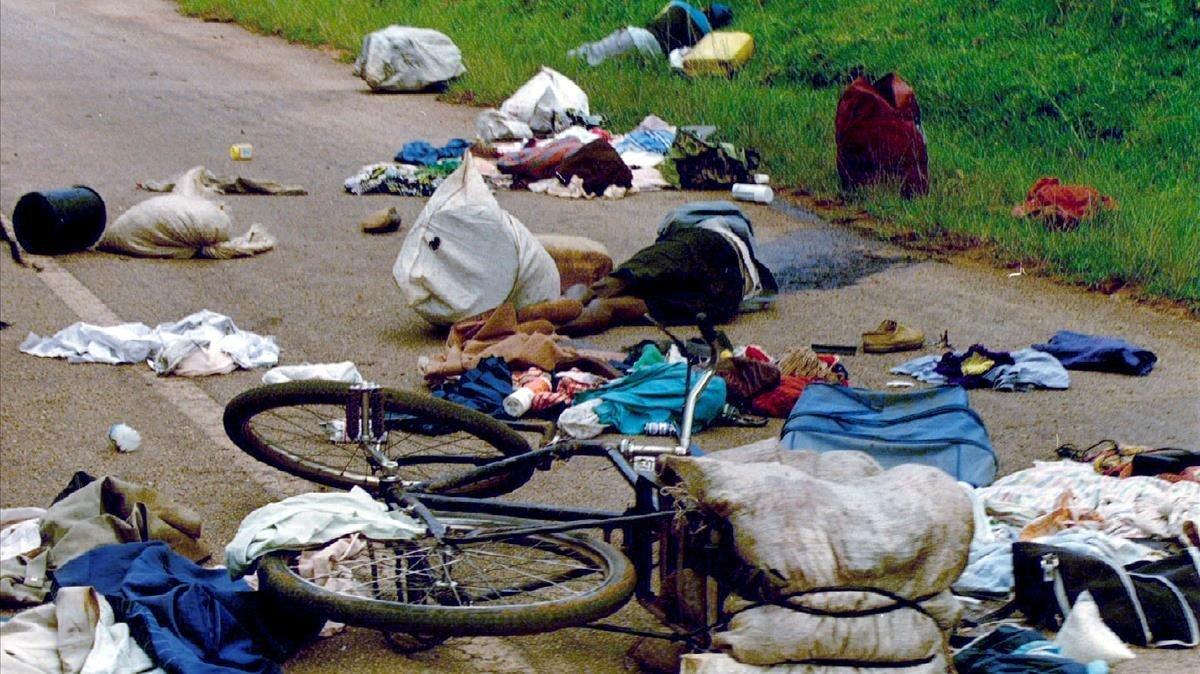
493	125
403	58
465	255
182	224
538	101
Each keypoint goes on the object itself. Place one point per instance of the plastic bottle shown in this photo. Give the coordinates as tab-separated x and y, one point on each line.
530	383
763	194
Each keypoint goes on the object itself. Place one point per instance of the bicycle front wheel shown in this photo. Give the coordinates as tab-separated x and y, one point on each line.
294	427
517	585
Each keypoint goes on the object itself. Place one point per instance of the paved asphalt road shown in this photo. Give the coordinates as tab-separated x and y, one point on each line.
109	93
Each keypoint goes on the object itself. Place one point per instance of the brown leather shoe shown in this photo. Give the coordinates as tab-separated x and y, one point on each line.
890	336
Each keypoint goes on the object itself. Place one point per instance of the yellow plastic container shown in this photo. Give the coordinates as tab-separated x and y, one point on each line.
719	53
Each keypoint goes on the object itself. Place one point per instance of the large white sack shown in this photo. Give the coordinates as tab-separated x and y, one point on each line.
540	99
404	58
722	663
182	224
493	125
465	255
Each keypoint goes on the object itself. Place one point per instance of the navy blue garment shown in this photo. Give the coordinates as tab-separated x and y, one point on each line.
482	388
423	154
188	619
993	654
950	366
1077	351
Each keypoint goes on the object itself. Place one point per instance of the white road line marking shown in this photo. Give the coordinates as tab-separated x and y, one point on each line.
189	399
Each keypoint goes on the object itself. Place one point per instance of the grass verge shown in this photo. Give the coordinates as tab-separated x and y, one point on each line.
1103	93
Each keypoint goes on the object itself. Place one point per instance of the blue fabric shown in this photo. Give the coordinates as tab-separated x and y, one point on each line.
482	388
646	140
1003	652
188	619
420	153
719	15
935	427
1077	351
699	18
653	393
1022	370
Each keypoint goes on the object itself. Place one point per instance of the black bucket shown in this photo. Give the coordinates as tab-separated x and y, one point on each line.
59	221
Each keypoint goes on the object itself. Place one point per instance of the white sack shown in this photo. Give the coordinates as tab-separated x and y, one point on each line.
182	224
1084	636
404	58
493	125
345	371
540	99
465	255
721	663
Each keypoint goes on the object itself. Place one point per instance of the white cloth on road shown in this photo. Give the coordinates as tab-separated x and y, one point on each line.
20	531
166	348
344	371
311	520
77	634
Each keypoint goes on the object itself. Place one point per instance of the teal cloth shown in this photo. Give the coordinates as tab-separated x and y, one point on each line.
653	393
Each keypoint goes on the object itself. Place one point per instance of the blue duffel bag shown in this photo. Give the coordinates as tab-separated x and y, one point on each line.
935	427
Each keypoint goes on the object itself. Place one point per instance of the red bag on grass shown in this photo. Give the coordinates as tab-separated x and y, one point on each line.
879	136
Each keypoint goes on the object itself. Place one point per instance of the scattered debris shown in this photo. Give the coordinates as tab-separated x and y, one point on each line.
1062	207
241	152
123	438
383	221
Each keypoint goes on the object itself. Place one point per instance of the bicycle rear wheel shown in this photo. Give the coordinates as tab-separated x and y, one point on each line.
518	585
293	427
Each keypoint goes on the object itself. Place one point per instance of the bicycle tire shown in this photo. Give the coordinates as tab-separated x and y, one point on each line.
613	585
473	438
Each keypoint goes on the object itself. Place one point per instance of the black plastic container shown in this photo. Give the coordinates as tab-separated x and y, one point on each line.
59	221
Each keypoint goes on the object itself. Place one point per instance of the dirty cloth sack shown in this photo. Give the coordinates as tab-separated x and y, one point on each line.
879	136
188	619
1019	370
598	165
465	255
1077	351
1062	207
311	520
216	184
104	511
694	163
404	58
204	336
499	334
935	427
905	531
540	100
406	180
183	224
723	663
492	125
344	371
653	394
77	634
579	259
421	153
538	161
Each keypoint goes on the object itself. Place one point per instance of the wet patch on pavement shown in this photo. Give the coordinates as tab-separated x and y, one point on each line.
821	257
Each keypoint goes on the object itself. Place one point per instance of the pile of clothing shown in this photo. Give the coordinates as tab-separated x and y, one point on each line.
417	170
116	559
1042	366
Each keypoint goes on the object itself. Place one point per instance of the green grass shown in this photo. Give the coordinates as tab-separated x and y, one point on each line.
1104	92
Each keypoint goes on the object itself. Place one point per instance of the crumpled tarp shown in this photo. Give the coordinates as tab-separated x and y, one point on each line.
654	393
202	343
1063	207
77	634
310	520
1077	351
190	620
